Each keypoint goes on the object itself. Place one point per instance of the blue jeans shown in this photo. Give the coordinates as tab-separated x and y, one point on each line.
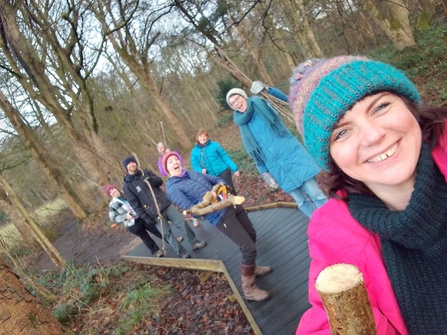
308	197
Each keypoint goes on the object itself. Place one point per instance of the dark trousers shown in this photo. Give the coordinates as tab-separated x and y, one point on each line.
226	176
236	225
141	229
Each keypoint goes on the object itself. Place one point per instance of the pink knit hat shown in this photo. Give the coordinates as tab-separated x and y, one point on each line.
164	160
109	187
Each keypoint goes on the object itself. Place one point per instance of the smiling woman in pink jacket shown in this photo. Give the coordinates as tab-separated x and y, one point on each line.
386	161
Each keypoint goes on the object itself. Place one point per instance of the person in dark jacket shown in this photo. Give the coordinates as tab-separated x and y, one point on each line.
187	188
209	157
278	155
142	190
120	212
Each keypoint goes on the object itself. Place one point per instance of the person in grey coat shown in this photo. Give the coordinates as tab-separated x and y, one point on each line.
278	155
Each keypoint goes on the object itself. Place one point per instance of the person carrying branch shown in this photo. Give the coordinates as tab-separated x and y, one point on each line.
385	154
162	149
278	155
142	189
187	189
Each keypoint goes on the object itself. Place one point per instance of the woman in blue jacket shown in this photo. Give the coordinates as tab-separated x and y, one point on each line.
187	188
277	153
209	157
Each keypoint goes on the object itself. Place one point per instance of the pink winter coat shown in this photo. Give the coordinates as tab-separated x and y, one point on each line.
336	237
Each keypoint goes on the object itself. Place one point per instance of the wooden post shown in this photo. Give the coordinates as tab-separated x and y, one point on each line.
346	301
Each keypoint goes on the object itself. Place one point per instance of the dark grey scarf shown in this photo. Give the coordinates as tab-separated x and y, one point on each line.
414	246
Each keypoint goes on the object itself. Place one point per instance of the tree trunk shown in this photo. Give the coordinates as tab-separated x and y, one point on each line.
306	32
397	29
401	24
17	50
295	12
43	158
124	44
277	39
32	225
345	300
21	313
265	77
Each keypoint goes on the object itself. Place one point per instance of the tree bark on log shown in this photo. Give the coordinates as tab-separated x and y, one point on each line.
345	300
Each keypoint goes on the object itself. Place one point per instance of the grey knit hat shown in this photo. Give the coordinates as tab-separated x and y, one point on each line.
235	91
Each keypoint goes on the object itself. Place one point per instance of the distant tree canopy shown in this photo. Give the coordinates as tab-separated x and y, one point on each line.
84	84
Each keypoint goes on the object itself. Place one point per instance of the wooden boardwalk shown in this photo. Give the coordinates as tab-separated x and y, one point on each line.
281	243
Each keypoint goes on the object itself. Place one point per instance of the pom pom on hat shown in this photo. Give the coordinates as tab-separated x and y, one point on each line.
322	90
234	91
127	160
164	160
109	187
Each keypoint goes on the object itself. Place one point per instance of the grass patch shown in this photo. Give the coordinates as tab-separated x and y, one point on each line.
136	304
225	120
90	298
43	216
49	210
243	160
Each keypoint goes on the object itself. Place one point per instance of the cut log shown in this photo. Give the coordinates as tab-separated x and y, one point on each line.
346	301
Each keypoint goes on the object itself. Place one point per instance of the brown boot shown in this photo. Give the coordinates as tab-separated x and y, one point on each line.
262	270
249	288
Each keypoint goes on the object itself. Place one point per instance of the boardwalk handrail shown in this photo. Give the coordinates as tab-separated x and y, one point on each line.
272	205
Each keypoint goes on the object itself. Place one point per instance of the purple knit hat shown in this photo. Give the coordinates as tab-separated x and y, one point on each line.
109	187
321	91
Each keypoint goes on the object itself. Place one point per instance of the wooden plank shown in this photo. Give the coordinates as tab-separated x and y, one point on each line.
246	310
282	243
272	205
178	263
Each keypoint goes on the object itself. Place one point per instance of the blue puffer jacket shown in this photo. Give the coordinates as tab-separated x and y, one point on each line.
188	191
211	157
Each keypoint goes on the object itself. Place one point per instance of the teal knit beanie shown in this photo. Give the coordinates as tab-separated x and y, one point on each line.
322	90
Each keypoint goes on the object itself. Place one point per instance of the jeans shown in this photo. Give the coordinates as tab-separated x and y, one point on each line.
236	225
308	197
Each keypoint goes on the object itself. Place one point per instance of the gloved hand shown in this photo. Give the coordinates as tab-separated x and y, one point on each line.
270	181
257	87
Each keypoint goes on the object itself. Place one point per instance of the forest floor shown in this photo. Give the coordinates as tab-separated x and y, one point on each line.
193	306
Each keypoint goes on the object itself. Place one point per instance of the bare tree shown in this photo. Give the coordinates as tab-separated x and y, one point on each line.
395	25
116	19
28	66
31	224
47	163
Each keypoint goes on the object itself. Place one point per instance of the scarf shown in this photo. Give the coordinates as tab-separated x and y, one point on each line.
202	145
268	115
414	246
